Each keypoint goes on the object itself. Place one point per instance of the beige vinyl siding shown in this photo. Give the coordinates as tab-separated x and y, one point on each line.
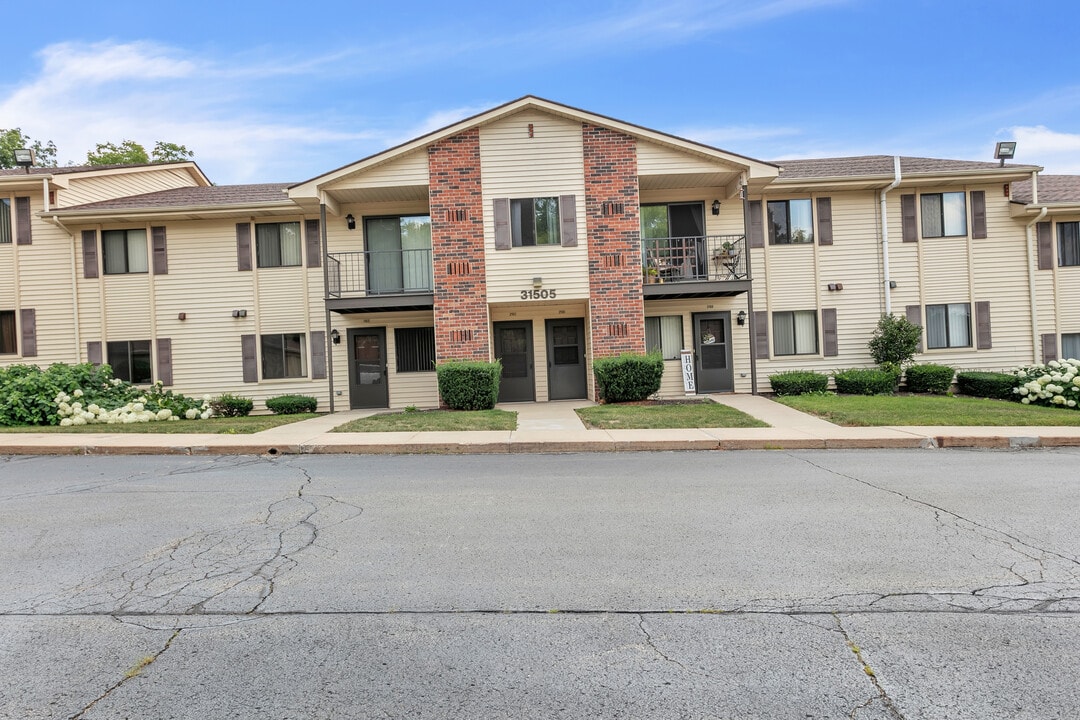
1063	315
655	159
114	184
549	164
411	169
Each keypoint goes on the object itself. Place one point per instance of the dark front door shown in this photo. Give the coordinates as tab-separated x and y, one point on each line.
367	368
514	347
566	359
712	348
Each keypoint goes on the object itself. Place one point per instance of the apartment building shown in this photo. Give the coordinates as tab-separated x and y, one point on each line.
541	235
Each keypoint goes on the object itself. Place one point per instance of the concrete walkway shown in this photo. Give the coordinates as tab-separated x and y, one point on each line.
545	427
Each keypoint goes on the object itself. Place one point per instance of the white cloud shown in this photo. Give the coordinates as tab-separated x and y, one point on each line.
1057	152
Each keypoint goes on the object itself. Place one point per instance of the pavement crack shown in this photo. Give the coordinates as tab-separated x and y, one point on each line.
652	645
133	672
882	696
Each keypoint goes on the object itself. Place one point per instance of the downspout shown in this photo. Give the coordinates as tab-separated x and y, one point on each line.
326	284
885	235
1031	269
750	326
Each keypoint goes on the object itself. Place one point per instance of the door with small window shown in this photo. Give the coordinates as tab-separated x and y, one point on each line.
367	368
712	350
566	359
514	349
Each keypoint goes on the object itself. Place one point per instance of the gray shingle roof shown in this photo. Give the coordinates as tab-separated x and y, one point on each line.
879	165
69	169
1052	189
192	197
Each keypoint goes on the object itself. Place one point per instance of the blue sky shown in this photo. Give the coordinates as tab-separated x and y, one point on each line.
269	91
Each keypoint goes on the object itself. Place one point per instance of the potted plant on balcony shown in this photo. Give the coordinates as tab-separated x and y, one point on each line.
652	275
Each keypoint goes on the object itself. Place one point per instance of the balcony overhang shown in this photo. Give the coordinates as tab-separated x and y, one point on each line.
381	303
697	289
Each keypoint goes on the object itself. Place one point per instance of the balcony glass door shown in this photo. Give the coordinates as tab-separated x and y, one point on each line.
398	254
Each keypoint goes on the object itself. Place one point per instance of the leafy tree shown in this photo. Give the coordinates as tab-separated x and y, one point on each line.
13	139
895	342
130	152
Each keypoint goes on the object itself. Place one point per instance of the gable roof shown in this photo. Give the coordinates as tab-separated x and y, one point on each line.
882	165
193	201
62	175
1053	189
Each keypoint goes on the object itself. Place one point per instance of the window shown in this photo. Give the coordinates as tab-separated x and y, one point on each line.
664	335
1068	243
124	251
277	244
944	214
283	356
130	360
534	221
8	343
5	220
415	349
398	254
1070	346
795	332
948	326
790	222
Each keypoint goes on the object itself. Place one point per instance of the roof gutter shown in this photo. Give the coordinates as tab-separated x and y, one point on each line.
886	282
1031	268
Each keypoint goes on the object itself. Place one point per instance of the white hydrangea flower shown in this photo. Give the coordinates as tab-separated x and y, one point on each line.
191	413
66	422
78	420
204	415
164	414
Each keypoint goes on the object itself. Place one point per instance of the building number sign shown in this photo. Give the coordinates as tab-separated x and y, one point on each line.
537	294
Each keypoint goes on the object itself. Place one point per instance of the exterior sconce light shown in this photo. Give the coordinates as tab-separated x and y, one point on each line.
836	286
892	284
715	207
335	336
741	317
538	282
182	316
24	158
239	313
1004	151
350	221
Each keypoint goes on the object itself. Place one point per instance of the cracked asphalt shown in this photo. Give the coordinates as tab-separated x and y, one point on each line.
760	584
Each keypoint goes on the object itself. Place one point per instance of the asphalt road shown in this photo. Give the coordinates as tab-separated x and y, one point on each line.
815	584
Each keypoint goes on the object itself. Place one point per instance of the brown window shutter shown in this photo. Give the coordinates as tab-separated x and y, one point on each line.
568	220
757	226
982	326
243	246
914	316
164	361
1049	347
909	219
161	253
93	352
23	232
89	253
761	332
501	207
978	214
247	352
28	323
824	221
318	355
1046	245
313	243
828	332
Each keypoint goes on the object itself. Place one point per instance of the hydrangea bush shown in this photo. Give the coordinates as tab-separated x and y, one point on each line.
1056	384
116	401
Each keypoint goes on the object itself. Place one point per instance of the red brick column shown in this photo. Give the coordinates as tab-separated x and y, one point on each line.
457	245
616	304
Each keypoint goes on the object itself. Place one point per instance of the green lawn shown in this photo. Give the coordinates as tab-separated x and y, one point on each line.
216	426
871	410
666	415
433	421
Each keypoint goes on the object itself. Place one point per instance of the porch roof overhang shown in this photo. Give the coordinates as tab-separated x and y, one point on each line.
381	303
193	212
702	289
782	185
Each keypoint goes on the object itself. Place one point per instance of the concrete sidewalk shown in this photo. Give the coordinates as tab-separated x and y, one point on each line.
551	427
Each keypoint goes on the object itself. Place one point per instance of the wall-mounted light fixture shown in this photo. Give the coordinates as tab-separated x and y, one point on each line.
239	313
335	337
350	221
741	317
836	286
24	158
1005	150
715	207
182	316
892	284
538	282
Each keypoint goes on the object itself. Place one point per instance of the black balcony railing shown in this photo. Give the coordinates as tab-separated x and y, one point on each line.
694	259
379	272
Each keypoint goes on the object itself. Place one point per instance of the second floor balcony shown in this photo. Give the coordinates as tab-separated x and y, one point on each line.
695	266
379	280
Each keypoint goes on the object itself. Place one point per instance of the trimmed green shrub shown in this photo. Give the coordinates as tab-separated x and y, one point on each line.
469	385
798	382
229	405
865	381
894	342
291	404
628	377
994	385
930	378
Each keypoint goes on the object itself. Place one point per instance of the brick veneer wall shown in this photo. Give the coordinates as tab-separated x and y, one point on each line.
457	243
616	304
